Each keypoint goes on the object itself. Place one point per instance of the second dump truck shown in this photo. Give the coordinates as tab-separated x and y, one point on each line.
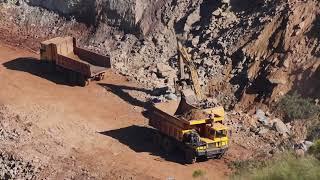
79	66
202	134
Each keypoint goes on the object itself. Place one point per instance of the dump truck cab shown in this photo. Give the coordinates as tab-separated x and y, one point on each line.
213	139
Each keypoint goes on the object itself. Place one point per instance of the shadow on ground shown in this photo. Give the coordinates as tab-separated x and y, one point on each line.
122	92
36	68
139	139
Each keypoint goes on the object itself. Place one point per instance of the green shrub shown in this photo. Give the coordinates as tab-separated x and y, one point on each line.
296	107
313	130
315	149
283	168
198	173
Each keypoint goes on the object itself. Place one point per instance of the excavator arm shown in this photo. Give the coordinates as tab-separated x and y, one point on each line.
185	59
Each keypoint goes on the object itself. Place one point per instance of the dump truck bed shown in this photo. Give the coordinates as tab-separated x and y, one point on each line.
63	51
165	111
93	68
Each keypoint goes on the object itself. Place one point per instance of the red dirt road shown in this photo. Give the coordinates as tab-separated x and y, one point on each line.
100	126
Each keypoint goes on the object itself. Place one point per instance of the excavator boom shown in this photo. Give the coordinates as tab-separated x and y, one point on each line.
186	60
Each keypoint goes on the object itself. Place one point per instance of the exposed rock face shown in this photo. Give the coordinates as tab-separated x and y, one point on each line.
126	14
81	9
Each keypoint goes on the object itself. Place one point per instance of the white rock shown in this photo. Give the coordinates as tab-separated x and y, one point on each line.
280	126
262	117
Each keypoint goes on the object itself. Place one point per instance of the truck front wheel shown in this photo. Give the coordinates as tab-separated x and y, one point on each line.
167	145
190	156
219	156
157	139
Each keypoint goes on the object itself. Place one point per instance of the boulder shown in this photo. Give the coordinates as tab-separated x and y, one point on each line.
308	144
280	126
164	70
278	77
171	96
262	117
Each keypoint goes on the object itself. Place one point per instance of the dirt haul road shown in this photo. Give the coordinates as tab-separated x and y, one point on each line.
98	129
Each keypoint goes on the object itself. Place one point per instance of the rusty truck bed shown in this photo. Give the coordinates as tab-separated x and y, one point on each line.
65	53
93	68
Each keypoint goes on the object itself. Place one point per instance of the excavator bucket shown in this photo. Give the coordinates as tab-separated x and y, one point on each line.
188	99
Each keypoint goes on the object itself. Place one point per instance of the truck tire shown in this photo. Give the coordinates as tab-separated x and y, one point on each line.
51	67
190	156
87	82
102	76
167	145
68	76
99	77
84	82
219	156
157	139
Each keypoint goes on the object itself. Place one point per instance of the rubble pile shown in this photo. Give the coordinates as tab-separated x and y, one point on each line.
12	127
263	133
194	114
12	167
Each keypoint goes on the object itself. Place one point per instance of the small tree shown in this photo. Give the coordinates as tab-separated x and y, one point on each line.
296	107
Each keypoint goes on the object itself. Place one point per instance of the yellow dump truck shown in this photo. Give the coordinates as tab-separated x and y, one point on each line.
78	65
198	132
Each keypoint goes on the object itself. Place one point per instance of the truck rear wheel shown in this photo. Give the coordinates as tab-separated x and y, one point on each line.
100	77
82	81
167	145
72	78
190	156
